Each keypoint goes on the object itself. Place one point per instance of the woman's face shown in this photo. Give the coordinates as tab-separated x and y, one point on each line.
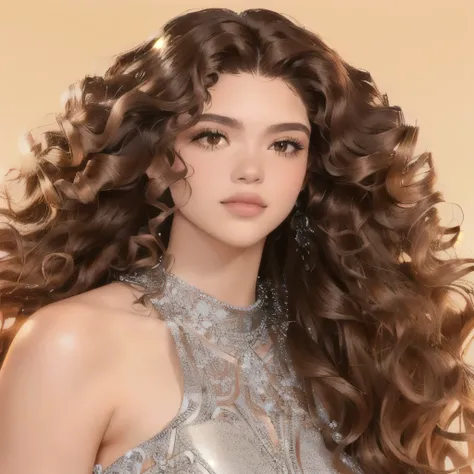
251	143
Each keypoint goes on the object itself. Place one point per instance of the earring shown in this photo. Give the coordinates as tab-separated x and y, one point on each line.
303	232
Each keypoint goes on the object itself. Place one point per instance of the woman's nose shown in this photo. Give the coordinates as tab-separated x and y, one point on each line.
248	169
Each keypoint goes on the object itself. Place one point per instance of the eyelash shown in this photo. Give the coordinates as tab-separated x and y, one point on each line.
297	145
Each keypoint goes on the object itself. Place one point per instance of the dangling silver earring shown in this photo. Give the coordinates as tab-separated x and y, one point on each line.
301	226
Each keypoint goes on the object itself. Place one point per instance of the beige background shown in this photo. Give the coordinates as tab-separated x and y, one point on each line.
420	52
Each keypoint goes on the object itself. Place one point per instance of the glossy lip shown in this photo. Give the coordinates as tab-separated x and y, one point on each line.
245	198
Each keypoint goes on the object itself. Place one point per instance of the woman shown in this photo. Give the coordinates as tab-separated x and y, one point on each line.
228	262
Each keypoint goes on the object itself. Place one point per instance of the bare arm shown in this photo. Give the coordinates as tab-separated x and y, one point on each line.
54	404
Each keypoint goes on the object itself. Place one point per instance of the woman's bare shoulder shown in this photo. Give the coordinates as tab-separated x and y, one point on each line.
88	326
64	366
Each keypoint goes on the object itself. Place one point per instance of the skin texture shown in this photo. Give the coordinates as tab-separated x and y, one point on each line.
91	377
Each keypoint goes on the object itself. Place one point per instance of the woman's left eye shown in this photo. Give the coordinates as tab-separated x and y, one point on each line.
287	147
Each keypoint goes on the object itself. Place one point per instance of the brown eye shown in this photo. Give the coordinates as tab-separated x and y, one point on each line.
212	139
287	147
281	147
209	139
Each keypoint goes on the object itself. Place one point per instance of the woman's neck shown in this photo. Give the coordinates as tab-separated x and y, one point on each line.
224	272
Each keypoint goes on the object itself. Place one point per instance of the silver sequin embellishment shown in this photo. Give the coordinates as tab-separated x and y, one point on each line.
240	412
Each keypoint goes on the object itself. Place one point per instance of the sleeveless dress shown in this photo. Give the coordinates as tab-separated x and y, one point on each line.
241	413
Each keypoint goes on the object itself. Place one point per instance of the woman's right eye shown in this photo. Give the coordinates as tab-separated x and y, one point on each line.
209	138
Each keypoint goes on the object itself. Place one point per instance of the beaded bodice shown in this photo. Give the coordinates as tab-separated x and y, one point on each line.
242	411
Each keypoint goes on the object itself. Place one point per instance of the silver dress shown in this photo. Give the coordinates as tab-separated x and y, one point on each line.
240	412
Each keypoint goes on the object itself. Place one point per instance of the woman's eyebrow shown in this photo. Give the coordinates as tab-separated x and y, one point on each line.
234	123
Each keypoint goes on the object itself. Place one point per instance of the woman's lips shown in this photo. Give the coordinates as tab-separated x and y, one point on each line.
243	209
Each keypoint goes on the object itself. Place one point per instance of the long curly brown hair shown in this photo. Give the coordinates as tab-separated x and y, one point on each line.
382	315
